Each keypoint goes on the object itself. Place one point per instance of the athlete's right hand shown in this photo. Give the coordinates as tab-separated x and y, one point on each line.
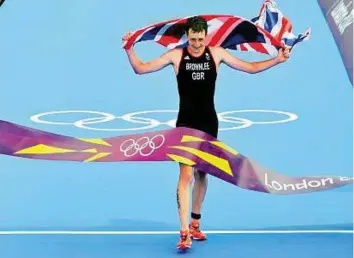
126	37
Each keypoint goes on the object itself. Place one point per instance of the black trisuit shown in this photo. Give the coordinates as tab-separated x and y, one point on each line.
196	87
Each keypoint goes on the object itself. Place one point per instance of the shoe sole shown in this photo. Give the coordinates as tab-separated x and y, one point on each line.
198	239
183	247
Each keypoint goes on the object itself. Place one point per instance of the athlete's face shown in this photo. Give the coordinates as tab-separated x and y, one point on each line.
196	41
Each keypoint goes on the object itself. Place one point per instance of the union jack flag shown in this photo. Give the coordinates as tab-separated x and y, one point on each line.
266	33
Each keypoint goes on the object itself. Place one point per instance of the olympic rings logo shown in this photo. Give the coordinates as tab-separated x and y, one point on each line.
235	122
144	145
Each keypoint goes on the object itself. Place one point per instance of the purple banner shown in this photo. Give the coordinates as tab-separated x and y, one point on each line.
183	145
339	16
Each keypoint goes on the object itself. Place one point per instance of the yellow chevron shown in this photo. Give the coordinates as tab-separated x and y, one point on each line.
89	151
97	156
95	141
181	159
44	149
225	147
188	138
220	163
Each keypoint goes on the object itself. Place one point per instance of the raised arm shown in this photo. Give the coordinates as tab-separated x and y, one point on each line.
224	56
141	67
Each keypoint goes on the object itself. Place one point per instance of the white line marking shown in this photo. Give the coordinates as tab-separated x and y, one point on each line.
73	232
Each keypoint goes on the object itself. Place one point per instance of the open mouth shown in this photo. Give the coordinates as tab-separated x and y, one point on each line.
196	48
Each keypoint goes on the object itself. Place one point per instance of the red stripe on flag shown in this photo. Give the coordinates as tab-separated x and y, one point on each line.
243	48
221	32
285	27
166	40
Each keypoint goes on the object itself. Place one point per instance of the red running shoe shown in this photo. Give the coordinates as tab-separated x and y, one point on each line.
196	234
185	241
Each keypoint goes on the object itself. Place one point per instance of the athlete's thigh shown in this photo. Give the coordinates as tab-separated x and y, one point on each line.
185	171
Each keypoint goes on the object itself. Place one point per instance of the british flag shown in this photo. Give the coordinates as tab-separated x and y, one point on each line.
266	33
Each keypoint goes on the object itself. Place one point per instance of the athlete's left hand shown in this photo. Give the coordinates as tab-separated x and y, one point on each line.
283	54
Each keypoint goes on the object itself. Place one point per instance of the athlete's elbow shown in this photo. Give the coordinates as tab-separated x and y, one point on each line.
143	68
139	70
137	67
252	69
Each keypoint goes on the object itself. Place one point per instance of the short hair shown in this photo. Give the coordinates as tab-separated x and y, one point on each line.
197	24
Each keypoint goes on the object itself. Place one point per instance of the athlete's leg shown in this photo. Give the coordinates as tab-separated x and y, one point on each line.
183	194
183	188
199	192
201	179
183	202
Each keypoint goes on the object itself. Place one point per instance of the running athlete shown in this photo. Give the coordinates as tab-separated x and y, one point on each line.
196	69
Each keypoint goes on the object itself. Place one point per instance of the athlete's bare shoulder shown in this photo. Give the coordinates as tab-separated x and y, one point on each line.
217	53
216	50
174	55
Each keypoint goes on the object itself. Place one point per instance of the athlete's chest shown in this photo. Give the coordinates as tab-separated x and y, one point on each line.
197	69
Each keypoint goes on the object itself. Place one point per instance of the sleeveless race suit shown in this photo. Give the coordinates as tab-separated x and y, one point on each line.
196	87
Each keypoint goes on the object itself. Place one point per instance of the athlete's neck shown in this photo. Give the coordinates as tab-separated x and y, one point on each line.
192	52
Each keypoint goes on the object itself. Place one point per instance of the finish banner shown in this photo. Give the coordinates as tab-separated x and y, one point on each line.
182	145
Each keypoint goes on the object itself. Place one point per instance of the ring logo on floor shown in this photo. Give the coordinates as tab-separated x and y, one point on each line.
229	120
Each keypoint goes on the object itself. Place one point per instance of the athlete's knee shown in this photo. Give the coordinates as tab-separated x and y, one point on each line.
200	176
186	174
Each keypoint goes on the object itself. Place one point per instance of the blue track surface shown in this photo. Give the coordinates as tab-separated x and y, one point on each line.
250	245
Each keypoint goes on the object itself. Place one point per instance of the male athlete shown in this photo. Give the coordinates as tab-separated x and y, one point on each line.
196	69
